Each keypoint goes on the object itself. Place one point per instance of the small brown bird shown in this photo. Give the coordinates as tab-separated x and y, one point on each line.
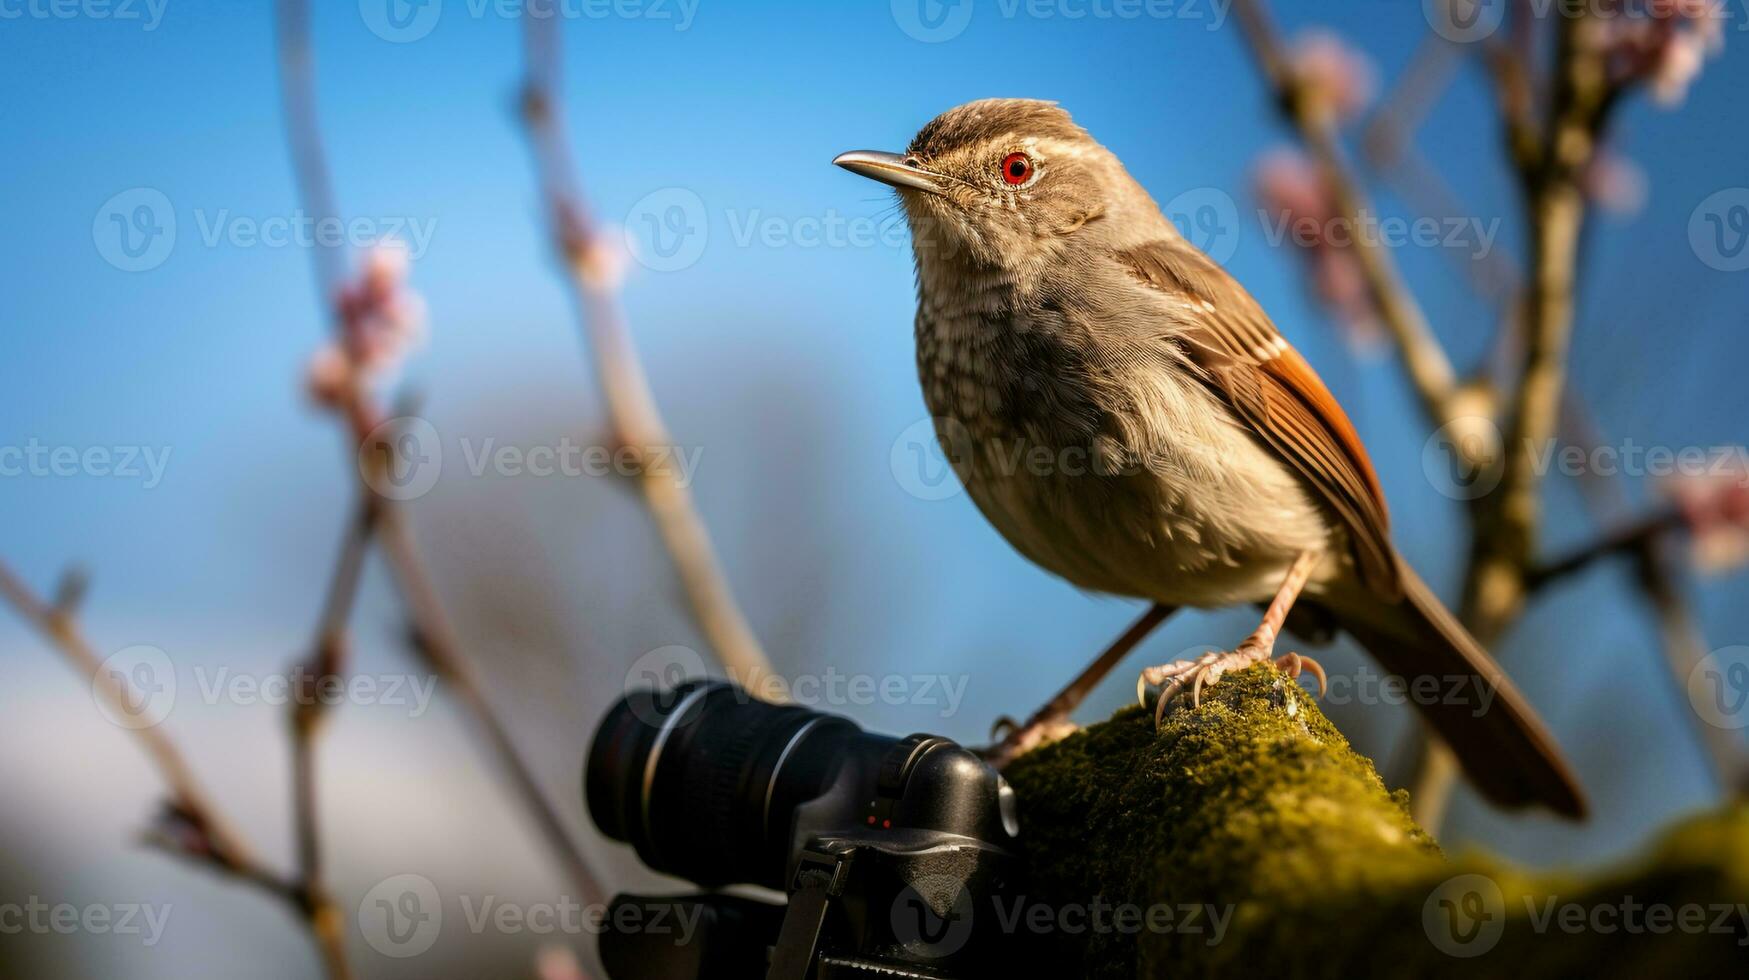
1128	417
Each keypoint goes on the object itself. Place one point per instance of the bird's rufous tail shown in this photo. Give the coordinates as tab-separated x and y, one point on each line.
1503	746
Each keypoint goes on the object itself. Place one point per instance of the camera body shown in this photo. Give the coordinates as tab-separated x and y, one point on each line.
886	847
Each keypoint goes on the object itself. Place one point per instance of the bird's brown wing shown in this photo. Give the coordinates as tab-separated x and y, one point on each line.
1246	361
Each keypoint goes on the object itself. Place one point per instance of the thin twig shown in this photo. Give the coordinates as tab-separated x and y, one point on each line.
297	93
1684	649
1390	132
192	827
438	644
327	659
1515	92
435	640
1428	366
1628	540
1506	520
636	421
1549	152
185	790
1389	147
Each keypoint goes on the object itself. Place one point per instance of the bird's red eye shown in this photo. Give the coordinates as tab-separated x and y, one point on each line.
1016	168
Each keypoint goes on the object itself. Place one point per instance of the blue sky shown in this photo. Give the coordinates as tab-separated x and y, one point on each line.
787	359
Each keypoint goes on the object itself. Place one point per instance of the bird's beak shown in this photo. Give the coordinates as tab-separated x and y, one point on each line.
890	168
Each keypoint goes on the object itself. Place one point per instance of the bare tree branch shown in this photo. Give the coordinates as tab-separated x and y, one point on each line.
191	826
1643	539
637	424
327	659
1388	144
1629	540
437	639
1684	648
1506	520
1425	360
297	94
1503	545
1549	151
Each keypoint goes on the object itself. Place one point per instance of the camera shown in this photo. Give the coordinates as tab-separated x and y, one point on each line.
891	851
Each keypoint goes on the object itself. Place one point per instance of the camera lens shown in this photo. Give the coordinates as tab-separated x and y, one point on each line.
689	777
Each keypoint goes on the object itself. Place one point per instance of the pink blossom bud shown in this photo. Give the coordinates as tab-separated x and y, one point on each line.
1342	77
328	375
1714	507
1615	182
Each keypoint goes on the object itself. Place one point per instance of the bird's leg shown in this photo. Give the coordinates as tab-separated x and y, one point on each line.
1052	720
1208	668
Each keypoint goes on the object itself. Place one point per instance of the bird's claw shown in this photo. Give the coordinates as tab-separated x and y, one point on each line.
1292	664
1207	669
1174	677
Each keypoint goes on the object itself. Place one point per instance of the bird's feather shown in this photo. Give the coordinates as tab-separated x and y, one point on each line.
1246	361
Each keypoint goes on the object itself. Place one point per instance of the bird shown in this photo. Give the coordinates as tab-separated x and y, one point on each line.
1130	419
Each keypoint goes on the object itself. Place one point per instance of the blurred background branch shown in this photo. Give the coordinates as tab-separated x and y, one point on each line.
592	267
1309	109
1553	149
190	825
375	319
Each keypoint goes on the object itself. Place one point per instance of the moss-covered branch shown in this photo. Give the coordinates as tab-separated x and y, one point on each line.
1254	809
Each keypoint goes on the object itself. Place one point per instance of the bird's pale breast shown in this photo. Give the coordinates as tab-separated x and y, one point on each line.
1120	474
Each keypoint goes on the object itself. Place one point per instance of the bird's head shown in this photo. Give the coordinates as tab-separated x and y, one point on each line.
1006	184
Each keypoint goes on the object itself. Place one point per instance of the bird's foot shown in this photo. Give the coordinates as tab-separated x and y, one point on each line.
1017	740
1174	678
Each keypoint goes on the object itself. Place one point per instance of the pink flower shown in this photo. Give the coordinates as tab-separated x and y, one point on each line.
1667	47
328	376
601	261
1615	182
381	319
1679	62
1290	185
1714	507
1288	182
1343	78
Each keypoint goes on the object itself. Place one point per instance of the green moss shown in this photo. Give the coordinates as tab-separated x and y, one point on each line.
1254	805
